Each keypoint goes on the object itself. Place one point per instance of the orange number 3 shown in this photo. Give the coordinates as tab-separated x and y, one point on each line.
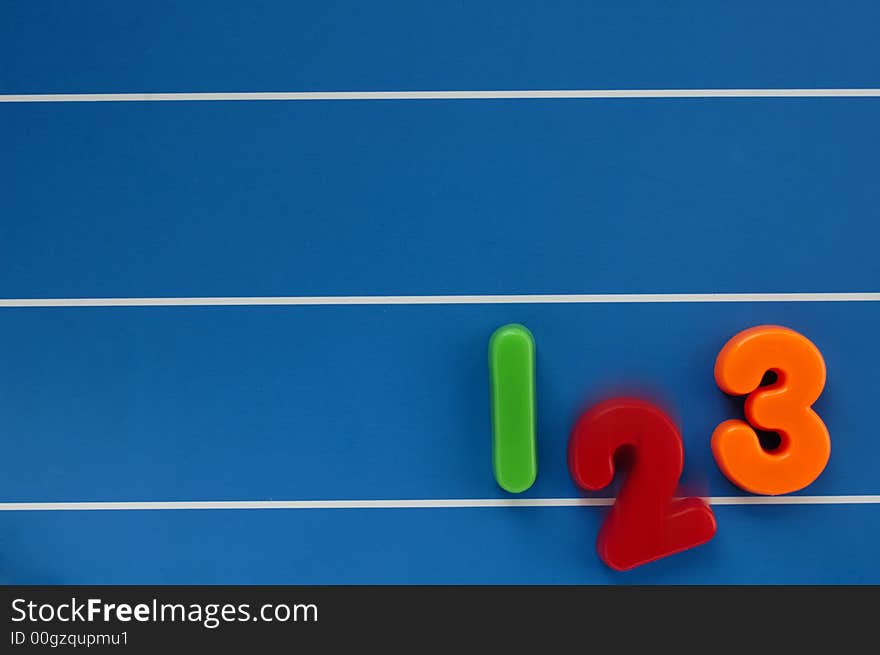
783	407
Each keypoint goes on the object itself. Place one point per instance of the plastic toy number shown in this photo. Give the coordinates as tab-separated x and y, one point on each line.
645	522
783	407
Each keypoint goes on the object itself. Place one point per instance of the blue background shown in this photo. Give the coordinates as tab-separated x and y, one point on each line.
416	197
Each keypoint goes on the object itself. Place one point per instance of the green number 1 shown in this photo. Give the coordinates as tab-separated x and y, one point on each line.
512	381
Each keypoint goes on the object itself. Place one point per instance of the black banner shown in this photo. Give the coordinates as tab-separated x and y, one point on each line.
279	619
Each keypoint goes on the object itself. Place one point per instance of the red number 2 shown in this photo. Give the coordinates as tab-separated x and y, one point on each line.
645	523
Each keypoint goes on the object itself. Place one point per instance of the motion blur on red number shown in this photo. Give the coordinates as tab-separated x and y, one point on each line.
645	523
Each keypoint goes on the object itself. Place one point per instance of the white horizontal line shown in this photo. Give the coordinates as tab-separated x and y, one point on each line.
418	503
499	299
445	95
